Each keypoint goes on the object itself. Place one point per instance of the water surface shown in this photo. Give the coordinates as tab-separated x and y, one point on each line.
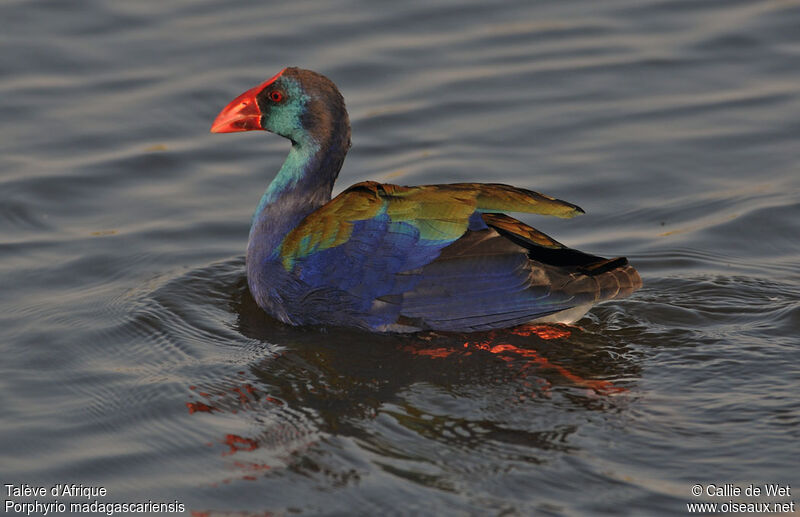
133	356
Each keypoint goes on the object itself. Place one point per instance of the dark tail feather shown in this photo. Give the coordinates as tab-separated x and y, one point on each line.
606	279
589	277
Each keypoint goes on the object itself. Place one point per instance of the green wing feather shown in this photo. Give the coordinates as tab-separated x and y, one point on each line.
439	212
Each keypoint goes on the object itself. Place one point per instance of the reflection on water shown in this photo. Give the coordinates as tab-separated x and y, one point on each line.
456	393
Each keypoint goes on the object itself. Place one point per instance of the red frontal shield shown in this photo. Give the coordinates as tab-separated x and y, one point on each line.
243	113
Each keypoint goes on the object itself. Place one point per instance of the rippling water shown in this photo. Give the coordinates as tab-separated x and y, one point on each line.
133	356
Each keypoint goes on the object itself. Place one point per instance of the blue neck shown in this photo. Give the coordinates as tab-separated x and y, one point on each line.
303	184
294	170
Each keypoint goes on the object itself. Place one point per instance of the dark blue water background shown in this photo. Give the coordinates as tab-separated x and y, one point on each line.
131	355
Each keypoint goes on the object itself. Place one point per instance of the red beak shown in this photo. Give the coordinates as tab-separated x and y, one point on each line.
243	113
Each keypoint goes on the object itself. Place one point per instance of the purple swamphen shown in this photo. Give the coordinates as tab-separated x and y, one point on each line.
391	258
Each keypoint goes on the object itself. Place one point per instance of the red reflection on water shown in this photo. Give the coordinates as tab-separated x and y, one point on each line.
543	331
600	386
252	467
232	399
244	398
496	342
239	443
199	406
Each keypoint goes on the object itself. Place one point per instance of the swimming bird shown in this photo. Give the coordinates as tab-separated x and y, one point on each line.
392	258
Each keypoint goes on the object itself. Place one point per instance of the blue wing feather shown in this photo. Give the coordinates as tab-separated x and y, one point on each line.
389	272
368	265
417	271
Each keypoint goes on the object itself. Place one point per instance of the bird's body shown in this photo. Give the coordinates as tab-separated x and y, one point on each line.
390	258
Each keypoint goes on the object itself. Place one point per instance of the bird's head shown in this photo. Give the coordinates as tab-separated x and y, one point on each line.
297	104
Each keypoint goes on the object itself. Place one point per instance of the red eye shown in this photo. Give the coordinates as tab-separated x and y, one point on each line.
275	96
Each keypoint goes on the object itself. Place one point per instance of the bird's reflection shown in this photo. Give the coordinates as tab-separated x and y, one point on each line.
314	384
